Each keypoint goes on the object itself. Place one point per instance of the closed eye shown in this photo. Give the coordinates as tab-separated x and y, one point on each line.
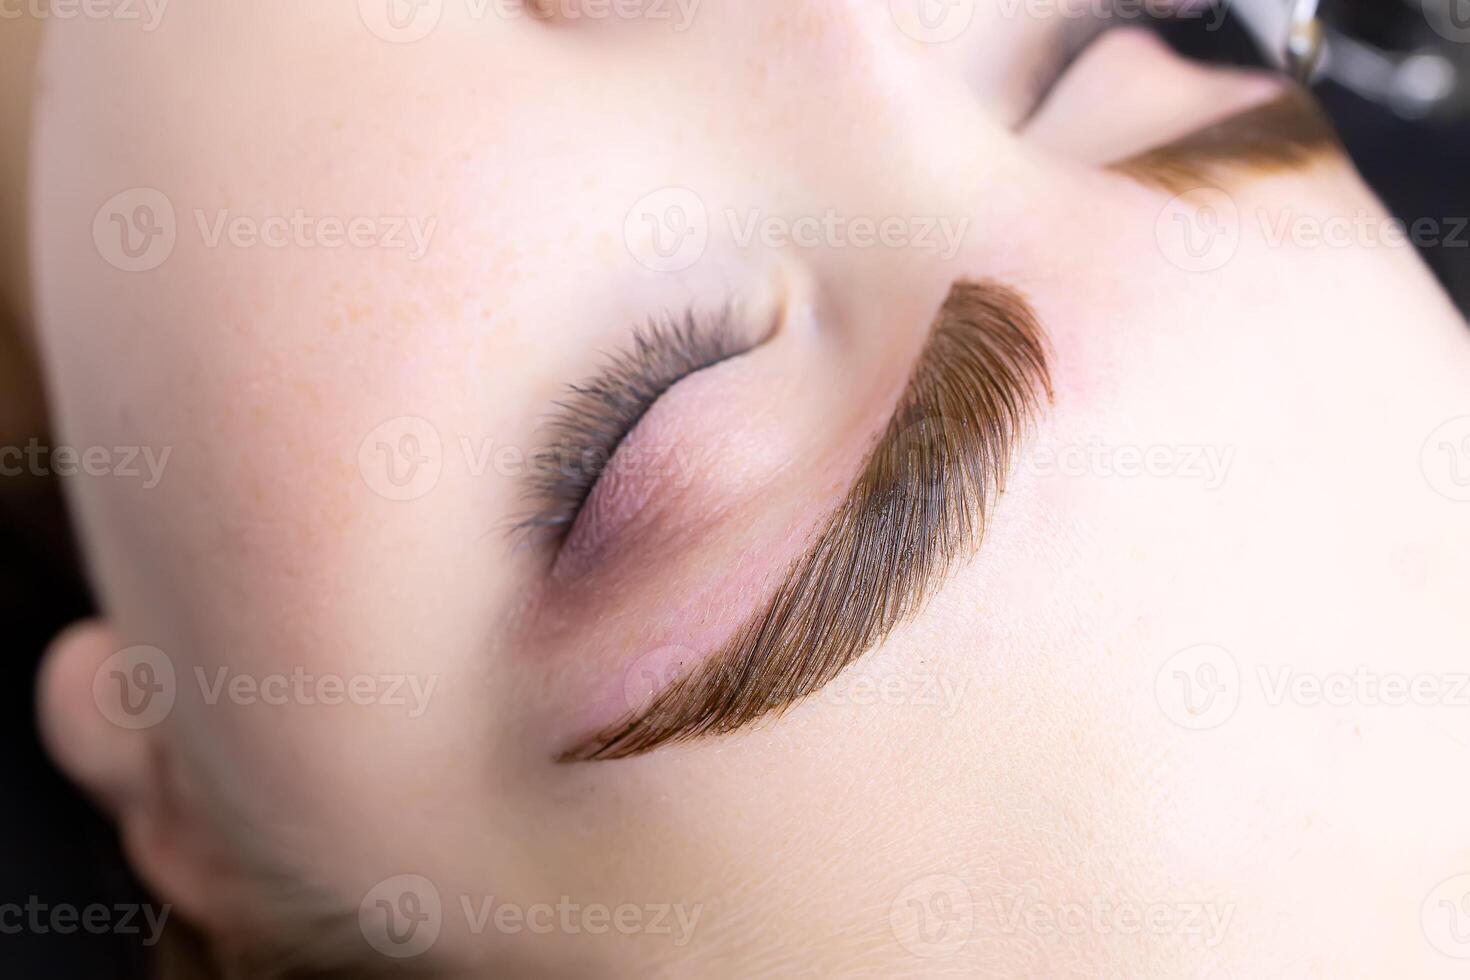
598	414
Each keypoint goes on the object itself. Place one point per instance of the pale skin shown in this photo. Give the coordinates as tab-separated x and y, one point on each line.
1291	839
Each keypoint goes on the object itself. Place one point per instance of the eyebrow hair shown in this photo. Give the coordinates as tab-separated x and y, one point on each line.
1286	133
916	508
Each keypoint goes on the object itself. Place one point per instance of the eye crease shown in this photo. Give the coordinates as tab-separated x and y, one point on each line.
597	415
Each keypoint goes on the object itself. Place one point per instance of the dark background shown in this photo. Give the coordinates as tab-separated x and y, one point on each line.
61	852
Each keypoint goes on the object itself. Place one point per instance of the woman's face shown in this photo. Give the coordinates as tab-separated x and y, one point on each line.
332	270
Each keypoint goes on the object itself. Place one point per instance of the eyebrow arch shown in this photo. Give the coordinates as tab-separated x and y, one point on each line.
916	508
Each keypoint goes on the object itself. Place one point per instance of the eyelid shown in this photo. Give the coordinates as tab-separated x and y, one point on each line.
1065	48
596	416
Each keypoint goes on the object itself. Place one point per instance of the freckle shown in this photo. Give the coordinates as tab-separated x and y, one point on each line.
357	314
310	392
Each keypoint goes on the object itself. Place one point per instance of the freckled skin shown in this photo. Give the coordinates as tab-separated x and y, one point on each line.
1058	778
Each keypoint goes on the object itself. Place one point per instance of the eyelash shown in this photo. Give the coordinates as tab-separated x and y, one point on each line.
595	416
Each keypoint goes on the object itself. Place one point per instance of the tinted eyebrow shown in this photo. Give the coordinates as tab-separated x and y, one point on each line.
917	507
1286	133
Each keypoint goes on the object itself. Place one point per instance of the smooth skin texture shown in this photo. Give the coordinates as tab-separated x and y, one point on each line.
1054	778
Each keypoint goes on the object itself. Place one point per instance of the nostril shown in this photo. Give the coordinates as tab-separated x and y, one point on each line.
1129	93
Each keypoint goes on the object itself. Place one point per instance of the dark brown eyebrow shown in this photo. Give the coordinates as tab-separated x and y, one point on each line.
917	507
1287	133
